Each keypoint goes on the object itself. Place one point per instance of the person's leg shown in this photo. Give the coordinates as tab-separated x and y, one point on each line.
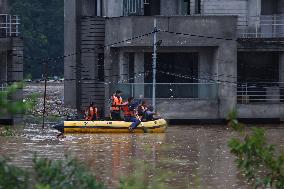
127	119
135	123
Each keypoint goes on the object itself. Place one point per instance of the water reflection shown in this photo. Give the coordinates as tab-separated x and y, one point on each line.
195	155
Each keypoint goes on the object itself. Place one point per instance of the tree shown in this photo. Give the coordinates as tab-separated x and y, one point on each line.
42	28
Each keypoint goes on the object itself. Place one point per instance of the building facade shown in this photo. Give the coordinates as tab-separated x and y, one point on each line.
11	56
213	55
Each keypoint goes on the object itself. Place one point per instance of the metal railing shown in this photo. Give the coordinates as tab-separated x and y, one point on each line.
264	26
170	90
9	25
271	92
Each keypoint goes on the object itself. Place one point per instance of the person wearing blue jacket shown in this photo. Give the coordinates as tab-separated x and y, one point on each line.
129	111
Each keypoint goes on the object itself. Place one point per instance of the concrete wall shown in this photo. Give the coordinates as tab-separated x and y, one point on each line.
71	42
261	111
112	8
222	54
92	37
118	29
189	109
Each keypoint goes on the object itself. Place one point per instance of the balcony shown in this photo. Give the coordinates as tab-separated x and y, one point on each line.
264	26
166	91
261	93
9	25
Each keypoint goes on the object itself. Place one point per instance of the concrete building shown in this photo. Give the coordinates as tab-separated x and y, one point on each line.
11	56
215	55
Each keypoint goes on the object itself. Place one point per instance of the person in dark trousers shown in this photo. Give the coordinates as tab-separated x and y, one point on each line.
130	112
116	101
146	112
150	115
142	108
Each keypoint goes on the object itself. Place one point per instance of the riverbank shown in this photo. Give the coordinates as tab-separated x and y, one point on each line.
55	109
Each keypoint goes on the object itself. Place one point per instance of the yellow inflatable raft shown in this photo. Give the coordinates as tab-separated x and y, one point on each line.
157	126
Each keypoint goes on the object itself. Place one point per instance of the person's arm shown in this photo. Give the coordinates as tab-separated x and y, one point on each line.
135	104
123	104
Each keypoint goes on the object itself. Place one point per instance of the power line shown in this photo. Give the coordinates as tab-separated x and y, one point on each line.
199	36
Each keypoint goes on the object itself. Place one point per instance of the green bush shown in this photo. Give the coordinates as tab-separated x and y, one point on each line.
257	159
8	106
12	177
48	174
7	132
67	174
138	179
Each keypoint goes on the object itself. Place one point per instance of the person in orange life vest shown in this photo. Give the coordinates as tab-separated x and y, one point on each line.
130	112
116	101
91	113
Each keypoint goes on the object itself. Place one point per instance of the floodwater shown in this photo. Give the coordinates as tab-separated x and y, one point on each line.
189	156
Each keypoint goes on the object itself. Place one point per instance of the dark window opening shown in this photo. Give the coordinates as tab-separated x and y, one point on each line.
269	7
152	7
131	68
197	6
258	67
101	70
173	68
132	7
258	72
185	7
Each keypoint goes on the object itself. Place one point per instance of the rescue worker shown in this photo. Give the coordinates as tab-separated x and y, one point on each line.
150	115
116	101
146	113
142	108
130	112
91	113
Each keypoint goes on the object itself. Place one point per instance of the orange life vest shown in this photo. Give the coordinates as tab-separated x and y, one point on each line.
127	111
92	111
115	101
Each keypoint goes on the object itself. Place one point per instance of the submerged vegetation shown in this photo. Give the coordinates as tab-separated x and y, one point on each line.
260	162
7	131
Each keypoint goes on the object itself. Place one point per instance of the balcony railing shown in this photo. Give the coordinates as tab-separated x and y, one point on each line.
265	26
9	25
201	91
271	92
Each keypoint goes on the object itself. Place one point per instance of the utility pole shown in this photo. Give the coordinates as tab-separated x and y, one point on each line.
44	95
154	64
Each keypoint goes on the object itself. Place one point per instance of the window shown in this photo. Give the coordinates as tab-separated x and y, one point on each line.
141	7
185	7
131	67
132	7
91	7
152	7
101	70
269	7
197	6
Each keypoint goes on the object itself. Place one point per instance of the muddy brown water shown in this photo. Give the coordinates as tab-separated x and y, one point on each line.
191	156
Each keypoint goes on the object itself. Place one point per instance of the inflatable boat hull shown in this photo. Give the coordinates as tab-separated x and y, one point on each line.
157	126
